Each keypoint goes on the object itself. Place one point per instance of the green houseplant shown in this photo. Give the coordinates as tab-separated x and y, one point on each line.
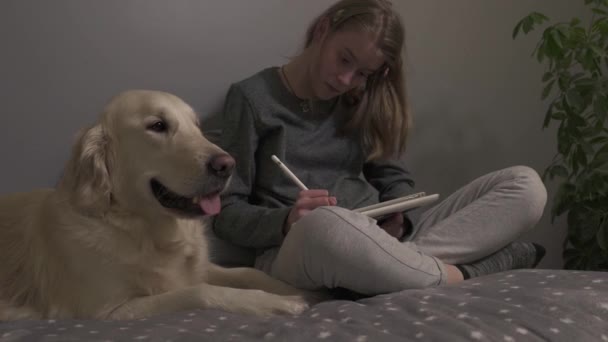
575	83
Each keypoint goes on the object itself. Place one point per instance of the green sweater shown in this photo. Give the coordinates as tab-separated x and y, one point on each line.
261	118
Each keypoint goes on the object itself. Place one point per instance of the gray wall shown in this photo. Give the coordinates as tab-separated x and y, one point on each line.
474	91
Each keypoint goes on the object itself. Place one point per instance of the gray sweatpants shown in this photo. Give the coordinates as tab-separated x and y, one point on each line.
335	247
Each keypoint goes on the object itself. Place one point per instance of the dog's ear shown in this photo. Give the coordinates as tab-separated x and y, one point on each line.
86	178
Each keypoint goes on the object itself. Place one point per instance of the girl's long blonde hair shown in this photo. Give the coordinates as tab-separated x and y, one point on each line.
379	113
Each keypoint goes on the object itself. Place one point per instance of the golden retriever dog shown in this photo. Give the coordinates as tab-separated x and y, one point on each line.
122	235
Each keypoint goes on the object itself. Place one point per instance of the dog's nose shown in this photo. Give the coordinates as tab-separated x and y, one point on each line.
221	165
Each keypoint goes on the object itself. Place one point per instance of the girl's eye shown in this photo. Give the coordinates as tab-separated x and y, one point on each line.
345	61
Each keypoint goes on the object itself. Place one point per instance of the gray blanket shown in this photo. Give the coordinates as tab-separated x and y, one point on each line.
523	305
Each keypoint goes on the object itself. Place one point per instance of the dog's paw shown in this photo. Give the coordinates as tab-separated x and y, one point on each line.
268	304
294	305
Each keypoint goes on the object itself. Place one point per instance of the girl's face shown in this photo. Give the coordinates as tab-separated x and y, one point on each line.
343	60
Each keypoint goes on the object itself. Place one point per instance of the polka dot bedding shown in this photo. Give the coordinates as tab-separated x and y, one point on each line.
522	305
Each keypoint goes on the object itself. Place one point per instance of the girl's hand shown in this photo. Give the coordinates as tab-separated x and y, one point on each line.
393	225
307	201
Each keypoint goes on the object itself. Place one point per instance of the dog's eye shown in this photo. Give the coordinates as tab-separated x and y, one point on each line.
158	126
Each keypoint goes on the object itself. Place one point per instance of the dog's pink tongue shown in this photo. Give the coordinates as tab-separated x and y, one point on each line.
210	205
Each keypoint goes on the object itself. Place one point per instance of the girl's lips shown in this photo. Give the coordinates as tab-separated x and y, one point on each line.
332	88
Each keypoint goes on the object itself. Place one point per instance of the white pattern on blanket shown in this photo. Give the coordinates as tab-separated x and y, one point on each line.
523	305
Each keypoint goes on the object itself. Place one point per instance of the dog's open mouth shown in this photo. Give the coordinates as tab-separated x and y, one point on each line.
208	204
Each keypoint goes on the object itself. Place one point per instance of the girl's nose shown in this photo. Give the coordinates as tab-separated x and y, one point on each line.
346	78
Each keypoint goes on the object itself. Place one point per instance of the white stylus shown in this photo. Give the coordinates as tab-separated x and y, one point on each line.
288	173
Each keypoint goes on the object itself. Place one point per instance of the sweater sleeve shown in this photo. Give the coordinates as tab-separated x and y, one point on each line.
390	177
239	221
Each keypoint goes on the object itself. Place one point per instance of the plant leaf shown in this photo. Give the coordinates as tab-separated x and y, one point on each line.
538	17
541	53
587	60
580	79
563	81
547	89
572	258
598	140
583	222
602	235
598	51
578	121
575	22
559	116
562	201
600	108
517	29
581	157
570	252
574	262
556	35
554	44
575	100
601	25
528	24
560	171
548	116
602	154
564	143
587	147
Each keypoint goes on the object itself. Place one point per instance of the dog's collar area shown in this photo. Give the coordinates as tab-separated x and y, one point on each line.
170	200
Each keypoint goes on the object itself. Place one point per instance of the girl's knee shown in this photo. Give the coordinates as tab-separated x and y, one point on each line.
326	224
314	240
327	232
329	247
534	192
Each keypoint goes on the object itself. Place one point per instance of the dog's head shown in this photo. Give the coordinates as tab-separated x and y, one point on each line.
147	153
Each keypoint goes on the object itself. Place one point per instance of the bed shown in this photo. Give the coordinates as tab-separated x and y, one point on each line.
519	305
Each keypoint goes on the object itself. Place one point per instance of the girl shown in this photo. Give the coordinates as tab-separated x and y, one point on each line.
337	115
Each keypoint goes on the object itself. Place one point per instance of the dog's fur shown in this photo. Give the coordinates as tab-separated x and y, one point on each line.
101	245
